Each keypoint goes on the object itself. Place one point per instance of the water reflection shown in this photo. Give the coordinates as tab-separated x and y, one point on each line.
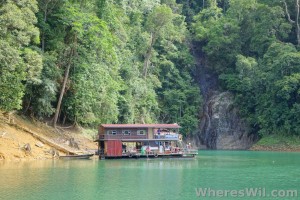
179	163
147	179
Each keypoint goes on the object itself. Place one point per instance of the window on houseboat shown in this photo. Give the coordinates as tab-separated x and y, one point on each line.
141	132
126	132
112	132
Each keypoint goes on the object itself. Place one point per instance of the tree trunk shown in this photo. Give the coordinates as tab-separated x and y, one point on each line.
43	33
66	76
287	12
147	61
297	6
297	22
148	56
47	8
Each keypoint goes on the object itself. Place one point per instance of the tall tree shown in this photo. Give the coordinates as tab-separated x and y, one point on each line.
20	63
296	16
158	22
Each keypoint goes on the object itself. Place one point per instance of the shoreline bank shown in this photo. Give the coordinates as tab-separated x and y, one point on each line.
23	139
276	142
275	148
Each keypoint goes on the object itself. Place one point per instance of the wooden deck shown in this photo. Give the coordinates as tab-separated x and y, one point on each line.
152	154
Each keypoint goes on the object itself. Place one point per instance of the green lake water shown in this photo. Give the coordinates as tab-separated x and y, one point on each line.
161	179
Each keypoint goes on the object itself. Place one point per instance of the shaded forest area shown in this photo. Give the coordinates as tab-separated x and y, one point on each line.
98	61
253	46
129	61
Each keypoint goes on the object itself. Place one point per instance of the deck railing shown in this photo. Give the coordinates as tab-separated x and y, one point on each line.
174	150
167	136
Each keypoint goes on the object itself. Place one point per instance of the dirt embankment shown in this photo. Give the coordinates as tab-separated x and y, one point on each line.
24	139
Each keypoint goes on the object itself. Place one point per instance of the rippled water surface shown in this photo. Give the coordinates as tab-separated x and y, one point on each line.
151	179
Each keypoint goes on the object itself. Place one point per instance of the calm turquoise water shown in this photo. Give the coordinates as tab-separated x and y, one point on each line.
150	179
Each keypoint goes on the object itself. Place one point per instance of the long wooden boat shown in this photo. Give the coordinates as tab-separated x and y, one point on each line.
83	156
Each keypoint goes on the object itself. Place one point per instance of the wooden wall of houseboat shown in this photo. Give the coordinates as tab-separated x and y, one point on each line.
133	131
113	148
101	130
150	133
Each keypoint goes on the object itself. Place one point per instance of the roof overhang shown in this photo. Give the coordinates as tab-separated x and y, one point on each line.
140	125
140	140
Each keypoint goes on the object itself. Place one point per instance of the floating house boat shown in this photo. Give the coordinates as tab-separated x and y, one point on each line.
141	140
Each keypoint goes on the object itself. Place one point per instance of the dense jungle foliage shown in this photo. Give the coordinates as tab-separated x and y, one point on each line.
129	61
253	46
98	61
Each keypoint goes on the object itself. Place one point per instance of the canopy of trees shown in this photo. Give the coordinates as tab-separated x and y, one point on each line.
253	46
113	61
97	61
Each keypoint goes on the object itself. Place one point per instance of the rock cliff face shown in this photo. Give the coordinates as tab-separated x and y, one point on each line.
220	127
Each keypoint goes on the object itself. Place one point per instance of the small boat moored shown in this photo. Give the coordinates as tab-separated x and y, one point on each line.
83	156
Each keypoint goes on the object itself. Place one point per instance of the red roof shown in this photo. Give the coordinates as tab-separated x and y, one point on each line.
140	125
